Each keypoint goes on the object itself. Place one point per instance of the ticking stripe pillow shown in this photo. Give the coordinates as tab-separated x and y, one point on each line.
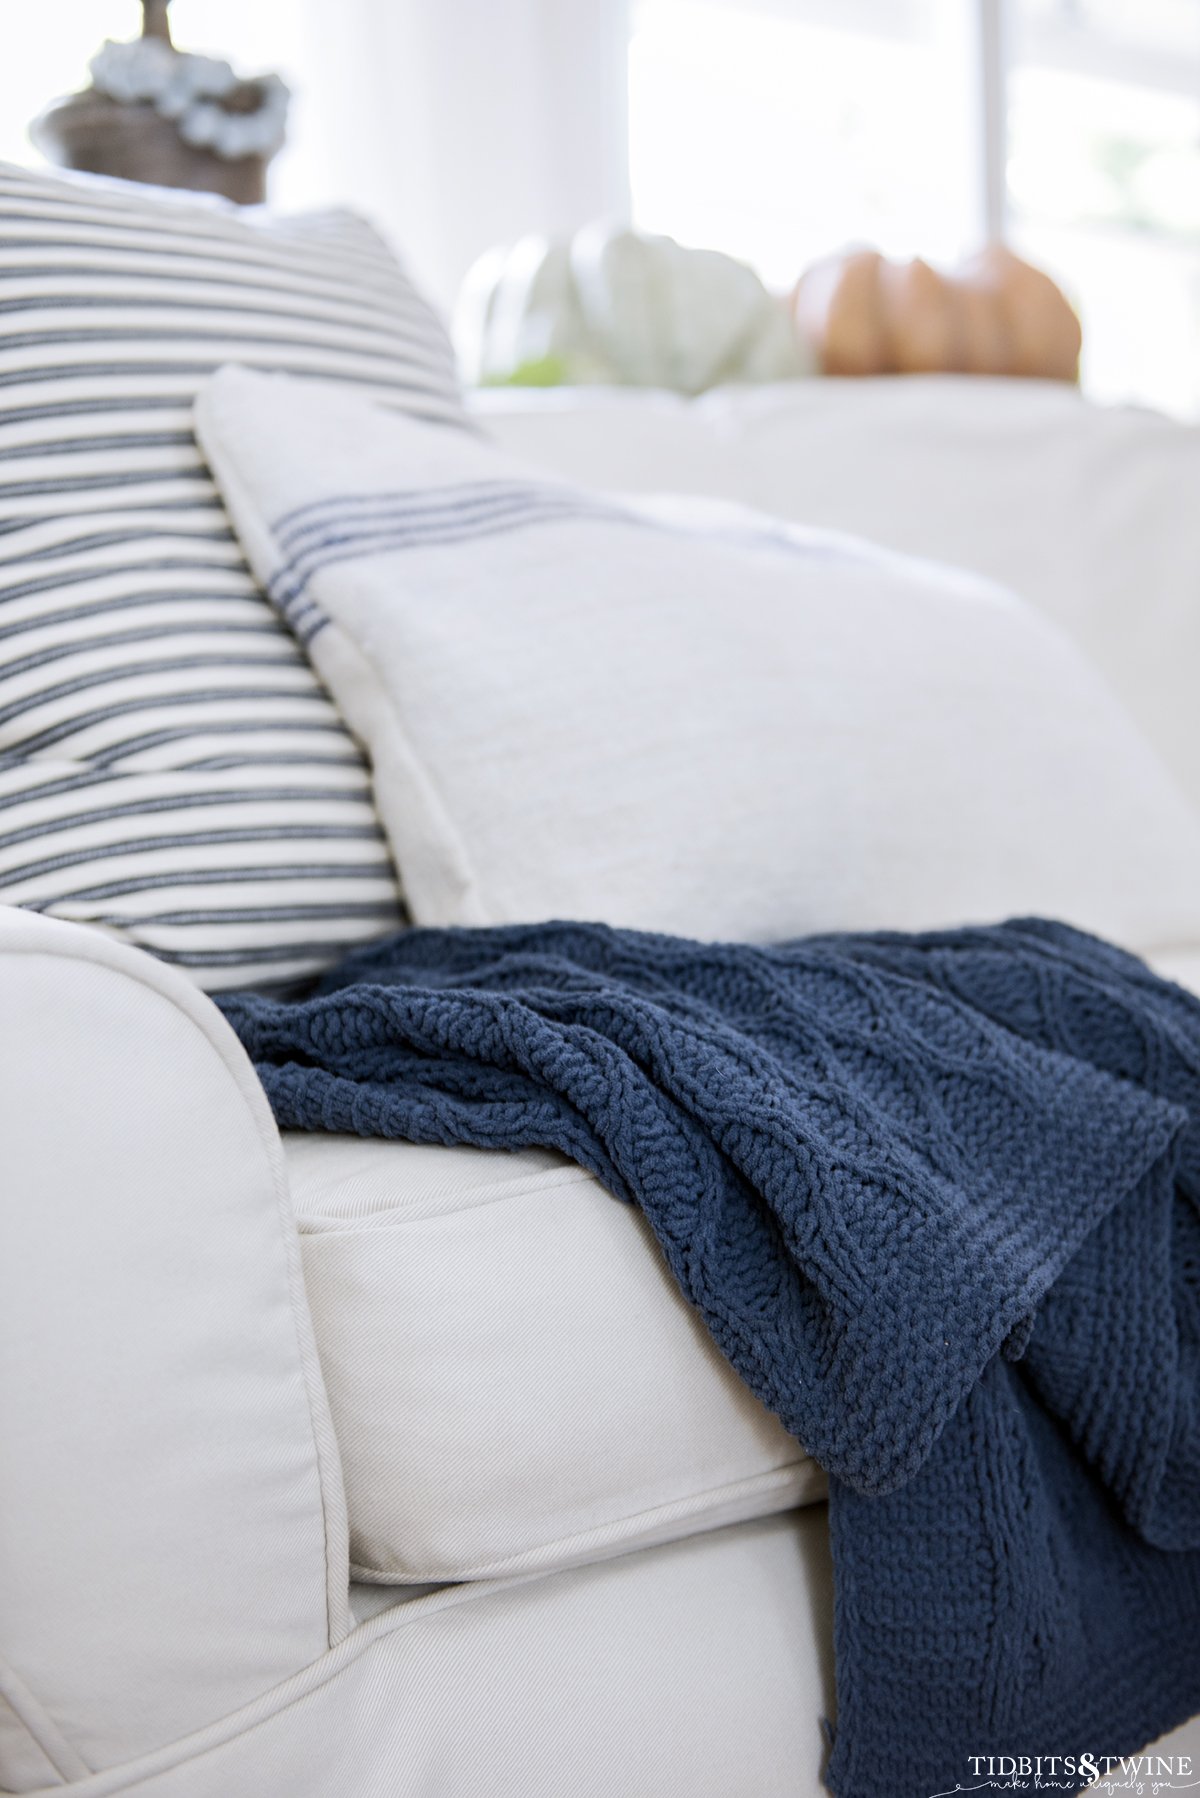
170	766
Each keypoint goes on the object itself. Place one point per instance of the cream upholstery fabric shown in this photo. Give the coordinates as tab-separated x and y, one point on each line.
699	1670
172	1530
515	1381
1181	965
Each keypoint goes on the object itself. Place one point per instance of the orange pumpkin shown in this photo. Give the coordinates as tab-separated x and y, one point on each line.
860	314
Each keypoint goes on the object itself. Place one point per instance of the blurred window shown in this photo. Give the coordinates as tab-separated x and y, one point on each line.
781	130
1104	181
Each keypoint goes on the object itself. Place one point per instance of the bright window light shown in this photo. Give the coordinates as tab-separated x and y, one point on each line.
1104	184
781	130
779	139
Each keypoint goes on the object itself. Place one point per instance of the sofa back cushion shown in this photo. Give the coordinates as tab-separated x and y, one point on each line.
678	715
171	767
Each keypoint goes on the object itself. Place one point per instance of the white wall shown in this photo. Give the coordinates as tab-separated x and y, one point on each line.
462	123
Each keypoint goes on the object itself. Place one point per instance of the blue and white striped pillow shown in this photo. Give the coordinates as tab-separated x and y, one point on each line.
171	768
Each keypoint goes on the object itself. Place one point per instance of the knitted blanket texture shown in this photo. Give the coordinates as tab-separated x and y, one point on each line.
937	1199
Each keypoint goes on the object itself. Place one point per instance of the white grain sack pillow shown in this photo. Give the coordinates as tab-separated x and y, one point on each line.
678	715
171	768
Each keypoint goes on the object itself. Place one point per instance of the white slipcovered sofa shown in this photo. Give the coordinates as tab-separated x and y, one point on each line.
317	1476
178	1612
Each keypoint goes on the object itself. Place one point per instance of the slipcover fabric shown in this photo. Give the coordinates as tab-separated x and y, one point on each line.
698	1670
514	1379
172	1522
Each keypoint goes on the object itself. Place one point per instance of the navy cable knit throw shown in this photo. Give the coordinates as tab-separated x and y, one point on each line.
937	1199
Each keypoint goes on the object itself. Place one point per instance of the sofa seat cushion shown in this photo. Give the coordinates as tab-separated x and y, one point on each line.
516	1383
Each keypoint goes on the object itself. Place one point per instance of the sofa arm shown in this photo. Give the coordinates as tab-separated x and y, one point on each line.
172	1524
